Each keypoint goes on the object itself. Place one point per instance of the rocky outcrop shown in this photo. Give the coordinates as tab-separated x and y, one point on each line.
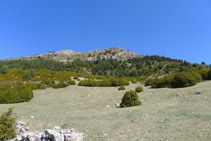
67	52
69	55
55	134
101	56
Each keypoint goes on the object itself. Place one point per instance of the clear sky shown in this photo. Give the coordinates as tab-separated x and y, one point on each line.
174	28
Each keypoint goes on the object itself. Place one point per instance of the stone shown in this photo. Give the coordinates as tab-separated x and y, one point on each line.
198	92
27	128
55	134
105	135
178	94
57	128
72	130
21	123
108	106
68	132
117	105
18	138
62	131
37	139
22	130
74	137
59	138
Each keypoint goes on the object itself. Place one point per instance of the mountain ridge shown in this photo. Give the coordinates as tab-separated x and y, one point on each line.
70	55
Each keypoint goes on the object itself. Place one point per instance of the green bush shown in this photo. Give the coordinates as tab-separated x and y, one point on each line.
71	82
209	75
32	86
29	74
139	89
134	81
130	99
159	82
163	82
183	79
7	126
15	94
204	73
197	76
121	88
123	82
149	82
3	69
41	86
104	83
114	82
61	84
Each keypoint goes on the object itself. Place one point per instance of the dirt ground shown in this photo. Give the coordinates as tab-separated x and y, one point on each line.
165	114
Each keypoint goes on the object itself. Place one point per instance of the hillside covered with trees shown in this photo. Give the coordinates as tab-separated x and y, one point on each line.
19	77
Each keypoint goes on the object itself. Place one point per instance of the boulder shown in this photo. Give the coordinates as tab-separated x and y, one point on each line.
74	137
198	92
57	128
55	134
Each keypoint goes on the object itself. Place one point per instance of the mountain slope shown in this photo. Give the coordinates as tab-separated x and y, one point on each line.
69	55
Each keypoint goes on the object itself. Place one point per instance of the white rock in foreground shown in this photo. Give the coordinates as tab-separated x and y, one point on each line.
56	134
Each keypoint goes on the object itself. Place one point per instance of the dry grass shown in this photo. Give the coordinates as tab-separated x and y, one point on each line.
162	116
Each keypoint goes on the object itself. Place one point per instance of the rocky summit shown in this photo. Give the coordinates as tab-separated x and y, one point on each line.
69	55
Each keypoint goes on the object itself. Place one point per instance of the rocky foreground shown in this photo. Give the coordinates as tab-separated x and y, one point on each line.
55	134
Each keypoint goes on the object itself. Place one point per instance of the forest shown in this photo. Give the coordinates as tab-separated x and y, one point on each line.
18	78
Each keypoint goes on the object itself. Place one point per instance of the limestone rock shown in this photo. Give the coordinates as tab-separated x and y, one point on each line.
55	134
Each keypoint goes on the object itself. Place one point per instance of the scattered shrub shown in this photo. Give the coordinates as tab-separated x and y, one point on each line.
123	82
104	83
71	82
130	99
121	88
60	85
209	75
7	126
3	69
159	82
149	82
134	81
114	82
163	82
139	89
29	74
204	73
183	79
32	86
15	94
197	76
41	86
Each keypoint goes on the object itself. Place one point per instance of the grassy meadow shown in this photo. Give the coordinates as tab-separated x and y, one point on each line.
165	114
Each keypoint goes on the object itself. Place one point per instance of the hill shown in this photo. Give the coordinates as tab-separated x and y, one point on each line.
111	61
69	55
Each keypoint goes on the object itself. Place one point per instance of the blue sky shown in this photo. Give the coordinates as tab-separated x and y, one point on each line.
174	28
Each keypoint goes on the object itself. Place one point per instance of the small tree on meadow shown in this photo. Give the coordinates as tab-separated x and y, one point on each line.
7	126
139	89
121	88
130	99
